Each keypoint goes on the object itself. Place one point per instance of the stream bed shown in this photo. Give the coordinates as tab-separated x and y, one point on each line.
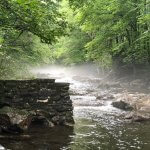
98	125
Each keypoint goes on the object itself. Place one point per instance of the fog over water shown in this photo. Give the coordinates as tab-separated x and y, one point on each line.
98	125
90	70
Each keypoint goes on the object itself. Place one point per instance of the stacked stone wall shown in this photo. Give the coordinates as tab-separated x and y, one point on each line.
40	95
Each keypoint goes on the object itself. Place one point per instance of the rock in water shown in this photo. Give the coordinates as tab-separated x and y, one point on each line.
137	116
42	121
13	120
122	105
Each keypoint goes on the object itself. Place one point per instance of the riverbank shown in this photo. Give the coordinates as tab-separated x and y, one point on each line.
132	95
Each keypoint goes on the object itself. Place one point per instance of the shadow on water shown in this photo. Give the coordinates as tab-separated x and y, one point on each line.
39	139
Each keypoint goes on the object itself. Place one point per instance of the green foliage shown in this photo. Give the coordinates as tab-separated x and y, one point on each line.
16	56
70	49
119	29
24	28
41	18
103	31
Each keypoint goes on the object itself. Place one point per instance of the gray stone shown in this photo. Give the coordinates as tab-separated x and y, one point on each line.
14	120
122	105
38	94
137	117
56	120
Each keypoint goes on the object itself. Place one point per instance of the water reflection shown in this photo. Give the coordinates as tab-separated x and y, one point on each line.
93	135
40	139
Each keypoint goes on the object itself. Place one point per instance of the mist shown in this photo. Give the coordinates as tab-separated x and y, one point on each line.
84	70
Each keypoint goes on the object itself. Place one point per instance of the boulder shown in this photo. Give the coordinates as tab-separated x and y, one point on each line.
42	121
137	116
122	105
14	120
141	110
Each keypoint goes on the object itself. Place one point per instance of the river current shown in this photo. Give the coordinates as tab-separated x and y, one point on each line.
98	125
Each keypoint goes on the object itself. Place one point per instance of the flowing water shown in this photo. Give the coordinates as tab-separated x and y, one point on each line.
98	125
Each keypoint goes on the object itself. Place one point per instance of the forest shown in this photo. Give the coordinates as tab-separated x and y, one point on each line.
111	33
74	74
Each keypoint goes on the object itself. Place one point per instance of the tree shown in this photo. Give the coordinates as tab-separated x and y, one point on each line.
42	18
119	29
70	49
23	24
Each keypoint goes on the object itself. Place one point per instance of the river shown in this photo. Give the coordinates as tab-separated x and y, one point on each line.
98	125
